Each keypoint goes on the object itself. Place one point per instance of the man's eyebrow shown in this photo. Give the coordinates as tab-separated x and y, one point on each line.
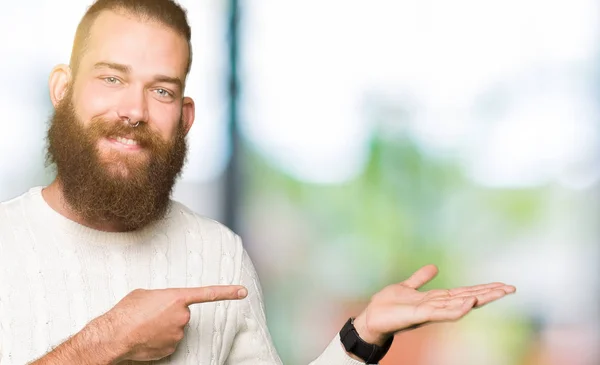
170	80
126	69
115	66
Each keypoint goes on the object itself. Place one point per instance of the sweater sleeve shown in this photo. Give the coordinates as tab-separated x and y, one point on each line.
253	343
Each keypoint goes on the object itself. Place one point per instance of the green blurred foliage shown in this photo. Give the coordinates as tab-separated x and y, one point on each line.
406	209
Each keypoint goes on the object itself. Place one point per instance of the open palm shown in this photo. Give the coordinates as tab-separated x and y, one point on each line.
401	306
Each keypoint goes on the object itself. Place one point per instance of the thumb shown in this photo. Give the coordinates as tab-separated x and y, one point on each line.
421	277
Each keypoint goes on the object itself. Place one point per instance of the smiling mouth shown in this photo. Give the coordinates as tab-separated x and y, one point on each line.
124	143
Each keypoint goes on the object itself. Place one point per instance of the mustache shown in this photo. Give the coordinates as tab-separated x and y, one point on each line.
101	127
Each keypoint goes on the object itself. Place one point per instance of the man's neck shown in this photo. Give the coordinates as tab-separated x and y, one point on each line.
55	198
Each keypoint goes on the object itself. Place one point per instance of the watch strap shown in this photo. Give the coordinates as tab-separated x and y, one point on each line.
369	353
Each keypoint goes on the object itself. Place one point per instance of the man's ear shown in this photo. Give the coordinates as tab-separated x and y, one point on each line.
58	83
188	111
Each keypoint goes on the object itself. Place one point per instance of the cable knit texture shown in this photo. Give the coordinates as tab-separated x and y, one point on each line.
56	275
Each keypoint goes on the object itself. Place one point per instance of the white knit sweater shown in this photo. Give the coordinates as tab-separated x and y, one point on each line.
56	275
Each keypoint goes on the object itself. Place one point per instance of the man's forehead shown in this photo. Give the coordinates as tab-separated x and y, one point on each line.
125	38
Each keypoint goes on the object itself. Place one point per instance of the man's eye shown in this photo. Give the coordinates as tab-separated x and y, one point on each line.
111	80
163	93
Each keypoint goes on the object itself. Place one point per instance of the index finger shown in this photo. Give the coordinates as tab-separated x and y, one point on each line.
465	289
212	293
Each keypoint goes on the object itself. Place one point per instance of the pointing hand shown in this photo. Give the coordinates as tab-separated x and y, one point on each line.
148	324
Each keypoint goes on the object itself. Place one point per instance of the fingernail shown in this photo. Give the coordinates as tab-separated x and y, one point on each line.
242	293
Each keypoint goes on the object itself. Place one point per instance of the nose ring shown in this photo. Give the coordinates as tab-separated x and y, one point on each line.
133	125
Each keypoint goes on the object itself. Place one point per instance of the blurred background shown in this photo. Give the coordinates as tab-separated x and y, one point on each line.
350	142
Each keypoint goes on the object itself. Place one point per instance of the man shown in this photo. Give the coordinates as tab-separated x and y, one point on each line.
101	267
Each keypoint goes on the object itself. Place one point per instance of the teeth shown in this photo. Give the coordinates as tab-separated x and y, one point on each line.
126	141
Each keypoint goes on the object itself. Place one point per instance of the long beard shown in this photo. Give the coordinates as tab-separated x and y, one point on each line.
117	187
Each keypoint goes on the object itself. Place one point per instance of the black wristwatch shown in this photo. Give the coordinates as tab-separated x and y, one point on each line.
370	354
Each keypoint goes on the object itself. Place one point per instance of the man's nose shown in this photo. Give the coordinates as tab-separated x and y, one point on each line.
134	106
